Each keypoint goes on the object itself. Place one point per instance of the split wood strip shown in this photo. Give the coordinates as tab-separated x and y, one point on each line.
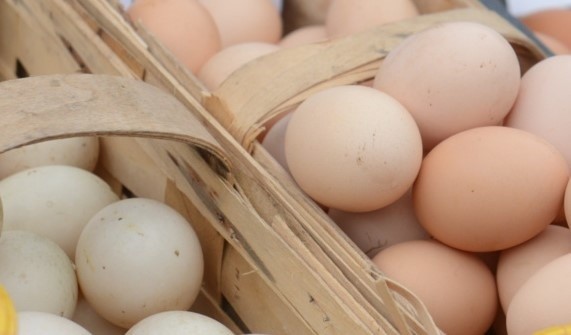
275	83
55	106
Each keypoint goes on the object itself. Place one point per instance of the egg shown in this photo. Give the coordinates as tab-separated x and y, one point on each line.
245	21
304	35
179	323
452	77
456	287
38	323
86	317
221	65
519	263
353	148
490	188
37	274
376	230
543	301
274	140
567	204
346	17
184	27
543	105
55	201
81	152
137	257
555	22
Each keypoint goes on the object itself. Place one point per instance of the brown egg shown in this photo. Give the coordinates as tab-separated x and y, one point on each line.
346	17
516	265
543	105
353	148
377	230
452	77
543	301
183	26
304	35
490	188
552	22
274	140
245	20
221	65
553	44
457	288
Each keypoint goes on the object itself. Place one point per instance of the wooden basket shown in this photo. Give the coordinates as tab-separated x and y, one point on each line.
276	263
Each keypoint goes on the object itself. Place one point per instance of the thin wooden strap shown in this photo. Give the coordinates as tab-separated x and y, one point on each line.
47	107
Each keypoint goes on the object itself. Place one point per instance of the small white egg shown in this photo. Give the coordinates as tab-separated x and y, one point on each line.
38	323
37	274
179	323
55	201
138	257
81	152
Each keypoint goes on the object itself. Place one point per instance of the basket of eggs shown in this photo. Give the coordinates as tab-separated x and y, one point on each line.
342	172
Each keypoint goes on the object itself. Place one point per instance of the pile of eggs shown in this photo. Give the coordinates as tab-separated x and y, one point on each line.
77	259
449	169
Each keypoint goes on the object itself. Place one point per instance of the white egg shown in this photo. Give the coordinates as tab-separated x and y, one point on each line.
138	257
55	201
179	323
89	319
37	274
38	323
81	152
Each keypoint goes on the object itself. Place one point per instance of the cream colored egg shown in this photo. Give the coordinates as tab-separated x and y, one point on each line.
138	257
81	152
452	77
346	17
38	323
274	141
245	21
221	65
37	274
353	148
179	323
55	201
86	317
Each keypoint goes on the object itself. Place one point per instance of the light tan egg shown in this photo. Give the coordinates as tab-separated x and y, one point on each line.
184	27
346	17
245	20
304	35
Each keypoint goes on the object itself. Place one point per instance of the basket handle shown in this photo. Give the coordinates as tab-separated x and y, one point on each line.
40	108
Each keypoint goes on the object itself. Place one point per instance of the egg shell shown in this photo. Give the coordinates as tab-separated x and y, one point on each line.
516	265
543	105
376	230
179	323
81	152
456	287
137	257
353	148
55	201
304	35
86	317
226	61
543	301
490	188
184	27
554	22
245	21
452	77
274	140
37	274
38	323
346	17
567	204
